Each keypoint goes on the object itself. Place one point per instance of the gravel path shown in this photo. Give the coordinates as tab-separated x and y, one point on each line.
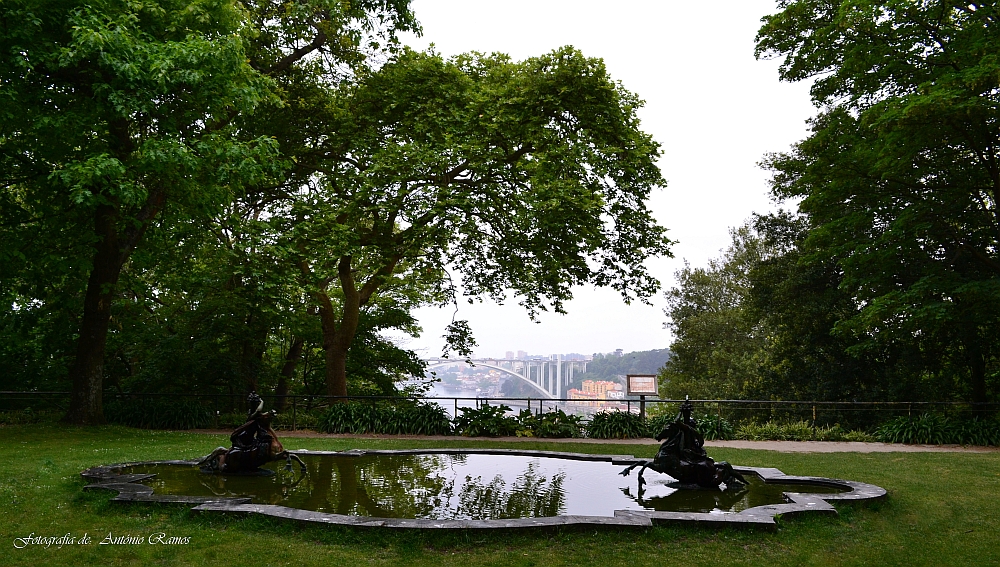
781	446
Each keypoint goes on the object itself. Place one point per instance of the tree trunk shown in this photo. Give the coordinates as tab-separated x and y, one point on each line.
110	253
287	371
337	337
252	350
86	404
977	370
336	343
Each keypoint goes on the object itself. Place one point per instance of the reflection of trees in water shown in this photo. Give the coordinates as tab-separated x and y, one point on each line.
378	485
528	497
385	486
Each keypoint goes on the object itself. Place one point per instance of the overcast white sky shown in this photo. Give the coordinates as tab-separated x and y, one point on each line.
714	109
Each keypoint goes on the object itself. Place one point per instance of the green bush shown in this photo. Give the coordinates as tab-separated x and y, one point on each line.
486	421
29	416
159	413
302	419
859	436
616	424
401	418
715	428
553	424
712	427
232	420
282	422
938	429
797	431
656	423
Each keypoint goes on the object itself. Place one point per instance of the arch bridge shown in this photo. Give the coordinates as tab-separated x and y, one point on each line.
547	376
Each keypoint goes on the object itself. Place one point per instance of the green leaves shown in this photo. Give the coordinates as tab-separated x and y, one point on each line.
899	176
486	421
616	425
405	418
938	429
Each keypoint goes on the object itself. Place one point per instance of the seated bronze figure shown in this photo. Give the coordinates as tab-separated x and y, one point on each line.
253	444
682	456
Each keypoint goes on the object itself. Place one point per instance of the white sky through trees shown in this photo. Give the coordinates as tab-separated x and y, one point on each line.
714	109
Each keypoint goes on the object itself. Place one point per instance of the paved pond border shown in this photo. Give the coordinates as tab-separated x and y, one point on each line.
130	489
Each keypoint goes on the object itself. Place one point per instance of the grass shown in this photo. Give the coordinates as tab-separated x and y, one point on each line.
941	510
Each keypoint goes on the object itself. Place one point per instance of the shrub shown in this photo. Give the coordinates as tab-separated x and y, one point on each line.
798	431
486	421
554	424
656	423
938	429
616	424
712	427
859	436
159	413
29	416
399	418
302	419
232	420
715	428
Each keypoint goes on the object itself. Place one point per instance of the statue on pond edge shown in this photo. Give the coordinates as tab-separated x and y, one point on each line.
682	456
253	444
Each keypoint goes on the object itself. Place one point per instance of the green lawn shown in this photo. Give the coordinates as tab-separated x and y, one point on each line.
941	510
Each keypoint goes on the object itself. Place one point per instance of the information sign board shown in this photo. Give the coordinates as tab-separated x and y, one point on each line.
642	385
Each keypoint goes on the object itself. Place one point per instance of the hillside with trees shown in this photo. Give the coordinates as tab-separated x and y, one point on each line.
610	366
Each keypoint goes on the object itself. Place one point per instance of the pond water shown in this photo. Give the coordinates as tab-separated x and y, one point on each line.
463	486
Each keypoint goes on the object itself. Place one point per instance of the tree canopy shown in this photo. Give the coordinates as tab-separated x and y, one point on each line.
900	174
523	177
208	195
115	113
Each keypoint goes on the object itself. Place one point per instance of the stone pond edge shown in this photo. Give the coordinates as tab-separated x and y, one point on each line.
109	477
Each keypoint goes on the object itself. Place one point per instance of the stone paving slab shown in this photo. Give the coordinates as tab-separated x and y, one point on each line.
780	446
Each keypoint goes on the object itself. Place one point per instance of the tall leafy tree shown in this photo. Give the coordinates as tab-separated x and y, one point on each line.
760	323
525	177
117	111
900	175
718	344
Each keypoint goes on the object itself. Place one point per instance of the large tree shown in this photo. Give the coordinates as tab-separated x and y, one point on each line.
901	173
117	111
522	177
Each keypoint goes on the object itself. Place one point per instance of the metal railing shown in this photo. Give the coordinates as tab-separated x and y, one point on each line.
818	413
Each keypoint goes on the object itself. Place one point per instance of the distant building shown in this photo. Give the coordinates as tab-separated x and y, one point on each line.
581	398
510	355
521	355
619	352
594	392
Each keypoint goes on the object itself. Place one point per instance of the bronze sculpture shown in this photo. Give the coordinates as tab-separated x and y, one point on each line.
253	444
682	456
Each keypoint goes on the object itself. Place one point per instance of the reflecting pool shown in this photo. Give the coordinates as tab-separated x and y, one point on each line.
465	486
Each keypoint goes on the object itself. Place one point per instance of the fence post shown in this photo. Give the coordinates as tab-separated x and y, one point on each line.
718	429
